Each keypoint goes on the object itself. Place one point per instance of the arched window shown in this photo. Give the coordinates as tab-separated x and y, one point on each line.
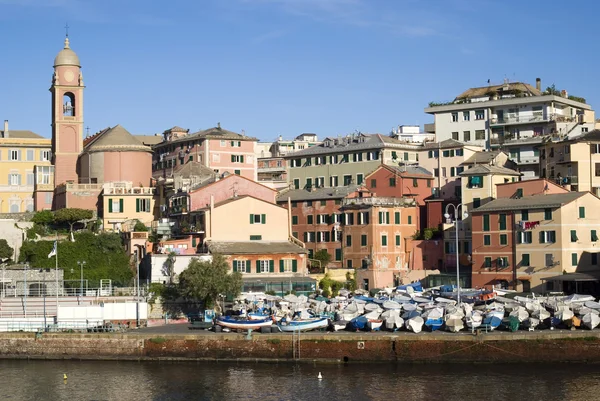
69	104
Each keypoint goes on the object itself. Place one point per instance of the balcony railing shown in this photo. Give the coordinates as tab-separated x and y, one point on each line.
521	119
379	201
270	169
570	180
527	160
178	209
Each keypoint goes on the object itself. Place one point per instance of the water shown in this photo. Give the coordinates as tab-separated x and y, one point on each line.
130	381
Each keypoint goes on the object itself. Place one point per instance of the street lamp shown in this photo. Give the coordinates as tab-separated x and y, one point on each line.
456	215
25	295
81	264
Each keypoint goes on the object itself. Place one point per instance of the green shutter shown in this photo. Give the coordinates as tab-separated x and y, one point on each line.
594	236
305	236
396	217
121	205
384	240
109	205
232	158
363	240
263	219
581	212
241	159
281	266
397	240
294	266
137	205
409	219
348	240
232	144
486	222
573	235
387	217
258	266
338	254
380	217
271	266
235	267
251	219
574	259
502	222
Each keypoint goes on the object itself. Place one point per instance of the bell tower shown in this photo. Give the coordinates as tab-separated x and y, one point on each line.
67	115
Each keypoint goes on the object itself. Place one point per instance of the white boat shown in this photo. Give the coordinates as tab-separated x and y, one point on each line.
242	324
394	322
541	314
531	322
520	313
591	321
303	325
474	320
454	325
391	305
373	314
374	324
564	314
371	307
592	305
339	325
414	324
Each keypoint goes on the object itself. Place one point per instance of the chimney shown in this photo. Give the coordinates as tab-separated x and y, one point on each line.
538	84
5	132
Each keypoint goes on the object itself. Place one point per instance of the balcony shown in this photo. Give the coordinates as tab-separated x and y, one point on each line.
378	201
513	120
178	209
271	169
569	180
527	160
124	188
44	187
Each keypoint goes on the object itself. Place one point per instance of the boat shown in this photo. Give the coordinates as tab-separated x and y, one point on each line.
434	324
531	323
303	325
359	323
394	322
574	322
520	314
491	322
414	324
511	323
339	325
257	316
374	324
391	305
243	324
474	320
590	321
454	325
541	314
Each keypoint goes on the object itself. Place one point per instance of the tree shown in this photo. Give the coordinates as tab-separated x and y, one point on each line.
322	256
205	281
140	227
43	217
72	216
169	266
6	251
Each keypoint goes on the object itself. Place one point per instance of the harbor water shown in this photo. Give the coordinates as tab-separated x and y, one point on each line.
130	381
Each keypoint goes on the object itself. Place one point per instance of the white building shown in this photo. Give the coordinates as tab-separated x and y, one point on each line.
412	133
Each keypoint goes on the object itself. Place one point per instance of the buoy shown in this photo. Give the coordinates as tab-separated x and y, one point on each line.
319	376
64	376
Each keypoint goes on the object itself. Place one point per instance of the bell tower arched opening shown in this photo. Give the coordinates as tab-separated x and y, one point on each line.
69	105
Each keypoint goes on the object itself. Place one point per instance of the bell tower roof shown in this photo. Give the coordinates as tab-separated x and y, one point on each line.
66	56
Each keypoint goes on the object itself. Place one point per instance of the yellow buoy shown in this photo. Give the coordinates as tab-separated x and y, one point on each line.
64	376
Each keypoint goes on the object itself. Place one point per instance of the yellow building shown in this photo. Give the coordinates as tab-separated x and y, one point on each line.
21	154
123	204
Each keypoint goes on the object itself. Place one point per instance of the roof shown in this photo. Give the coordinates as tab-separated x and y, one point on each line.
194	168
115	139
253	247
177	128
21	134
530	202
353	143
591	276
66	56
149	140
226	176
448	143
405	171
211	133
510	87
317	193
489	170
483	157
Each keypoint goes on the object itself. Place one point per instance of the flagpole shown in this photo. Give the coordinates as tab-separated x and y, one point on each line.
56	276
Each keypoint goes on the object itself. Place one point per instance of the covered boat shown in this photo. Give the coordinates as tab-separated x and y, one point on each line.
590	321
304	324
414	324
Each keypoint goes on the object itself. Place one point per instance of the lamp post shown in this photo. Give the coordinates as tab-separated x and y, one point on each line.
43	288
456	215
81	264
25	290
137	265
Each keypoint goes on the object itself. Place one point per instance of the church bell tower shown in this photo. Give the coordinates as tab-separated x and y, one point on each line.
67	115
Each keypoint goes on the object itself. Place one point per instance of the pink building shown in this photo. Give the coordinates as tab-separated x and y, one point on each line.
216	148
519	189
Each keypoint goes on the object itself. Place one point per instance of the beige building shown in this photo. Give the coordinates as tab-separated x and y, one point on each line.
124	203
574	163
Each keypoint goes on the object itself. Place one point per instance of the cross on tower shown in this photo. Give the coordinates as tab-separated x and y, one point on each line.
87	131
67	29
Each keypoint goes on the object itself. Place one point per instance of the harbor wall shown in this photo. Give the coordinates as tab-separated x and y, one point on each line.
329	347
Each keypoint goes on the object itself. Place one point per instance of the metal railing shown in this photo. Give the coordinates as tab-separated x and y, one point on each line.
379	201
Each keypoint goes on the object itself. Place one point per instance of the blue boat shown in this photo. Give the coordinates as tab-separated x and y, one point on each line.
303	325
491	322
416	286
243	324
359	323
434	324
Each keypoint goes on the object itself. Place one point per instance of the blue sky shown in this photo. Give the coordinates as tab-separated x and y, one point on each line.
283	67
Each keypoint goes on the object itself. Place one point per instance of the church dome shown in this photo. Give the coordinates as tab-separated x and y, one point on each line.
66	56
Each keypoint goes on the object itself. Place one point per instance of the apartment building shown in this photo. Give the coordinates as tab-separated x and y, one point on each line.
124	203
25	159
412	134
401	181
216	148
375	238
573	163
347	160
444	159
524	243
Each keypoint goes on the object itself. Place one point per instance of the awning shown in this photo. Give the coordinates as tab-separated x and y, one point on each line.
574	277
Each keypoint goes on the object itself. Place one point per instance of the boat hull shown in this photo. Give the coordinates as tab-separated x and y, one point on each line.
244	324
304	325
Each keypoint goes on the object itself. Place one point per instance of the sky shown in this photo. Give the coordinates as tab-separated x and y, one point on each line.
284	67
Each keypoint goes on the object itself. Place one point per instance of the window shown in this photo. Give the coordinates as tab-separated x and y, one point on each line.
309	219
373	183
30	179
486	222
549	260
475	181
452	172
338	254
323	236
263	266
359	179
479	114
14	179
223	144
142	205
524	215
363	218
241	266
308	183
594	236
454	117
357	157
525	259
445	153
323	203
409	219
581	212
296	183
349	263
258	219
347	180
436	172
384	240
237	172
455	136
525	237
294	220
459	152
443	171
29	155
502	262
428	183
236	144
574	236
479	134
322	219
396	217
384	217
45	155
502	222
398	242
15	155
115	205
476	202
392	182
573	259
519	193
296	162
466	137
348	240
363	240
466	116
255	237
237	159
503	239
547	237
487	262
333	181
415	183
487	240
349	219
287	265
309	237
319	182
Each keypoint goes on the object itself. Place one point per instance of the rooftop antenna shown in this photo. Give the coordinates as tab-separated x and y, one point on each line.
87	131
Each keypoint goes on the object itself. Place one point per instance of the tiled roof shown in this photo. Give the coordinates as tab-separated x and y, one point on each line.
23	134
446	144
489	170
149	140
115	139
530	202
487	90
350	144
254	247
483	157
317	193
412	170
213	133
